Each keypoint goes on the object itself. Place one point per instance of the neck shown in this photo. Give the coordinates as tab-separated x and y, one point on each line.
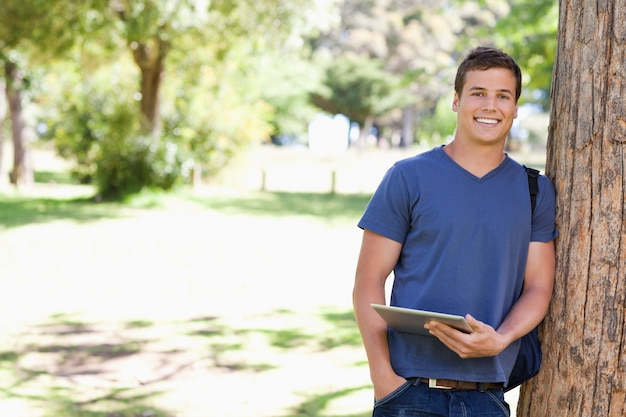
477	160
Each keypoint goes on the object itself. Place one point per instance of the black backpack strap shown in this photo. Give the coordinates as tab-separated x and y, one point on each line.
533	186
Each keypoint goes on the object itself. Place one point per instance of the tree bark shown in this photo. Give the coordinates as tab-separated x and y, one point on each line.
584	334
150	60
3	114
22	171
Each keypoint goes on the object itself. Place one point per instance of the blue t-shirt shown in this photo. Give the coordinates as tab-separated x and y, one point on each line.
465	244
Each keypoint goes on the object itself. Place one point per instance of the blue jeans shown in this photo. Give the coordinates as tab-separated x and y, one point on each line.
416	399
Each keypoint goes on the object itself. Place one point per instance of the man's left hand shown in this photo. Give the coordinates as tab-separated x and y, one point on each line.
482	342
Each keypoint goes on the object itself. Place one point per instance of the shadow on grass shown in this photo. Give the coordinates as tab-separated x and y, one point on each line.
337	329
317	404
116	402
340	330
20	211
55	357
74	368
320	205
345	331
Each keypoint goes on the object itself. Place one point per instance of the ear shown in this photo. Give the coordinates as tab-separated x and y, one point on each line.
516	108
455	103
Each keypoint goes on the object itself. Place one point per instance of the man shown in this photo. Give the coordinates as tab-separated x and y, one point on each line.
454	226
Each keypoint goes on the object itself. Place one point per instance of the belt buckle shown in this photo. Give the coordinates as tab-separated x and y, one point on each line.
432	383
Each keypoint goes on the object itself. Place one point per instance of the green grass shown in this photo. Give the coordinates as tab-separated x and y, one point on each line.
85	302
18	211
321	206
54	177
54	343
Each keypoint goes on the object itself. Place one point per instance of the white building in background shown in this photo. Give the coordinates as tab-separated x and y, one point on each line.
329	134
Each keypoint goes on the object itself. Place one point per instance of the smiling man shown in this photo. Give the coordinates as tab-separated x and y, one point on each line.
455	227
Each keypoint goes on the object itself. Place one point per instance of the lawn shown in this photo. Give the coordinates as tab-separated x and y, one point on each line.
221	301
206	303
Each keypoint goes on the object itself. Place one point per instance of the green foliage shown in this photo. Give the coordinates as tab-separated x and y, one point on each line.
358	88
46	29
286	90
213	111
126	165
528	31
102	134
236	72
94	123
211	107
532	40
438	126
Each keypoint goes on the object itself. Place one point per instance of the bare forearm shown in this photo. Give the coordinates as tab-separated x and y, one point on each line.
526	314
376	260
532	305
373	330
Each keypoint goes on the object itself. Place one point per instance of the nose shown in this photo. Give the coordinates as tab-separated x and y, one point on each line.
489	104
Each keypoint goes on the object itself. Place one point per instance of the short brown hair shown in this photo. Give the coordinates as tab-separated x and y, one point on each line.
484	58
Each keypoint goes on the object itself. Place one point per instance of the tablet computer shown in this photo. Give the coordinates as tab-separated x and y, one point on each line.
413	321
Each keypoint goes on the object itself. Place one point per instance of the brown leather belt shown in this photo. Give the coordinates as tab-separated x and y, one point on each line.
460	385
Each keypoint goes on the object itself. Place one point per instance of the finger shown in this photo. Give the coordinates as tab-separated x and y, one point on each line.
447	334
461	343
472	321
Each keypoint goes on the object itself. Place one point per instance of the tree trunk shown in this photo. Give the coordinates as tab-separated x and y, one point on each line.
408	127
1	147
584	334
150	60
22	171
365	132
3	114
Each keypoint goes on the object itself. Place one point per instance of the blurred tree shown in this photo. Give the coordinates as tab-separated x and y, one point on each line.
152	28
212	101
16	83
286	88
439	126
17	28
287	74
3	115
214	109
30	36
417	41
215	105
358	88
529	33
95	122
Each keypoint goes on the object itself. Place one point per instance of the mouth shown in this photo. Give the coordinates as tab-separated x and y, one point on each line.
486	121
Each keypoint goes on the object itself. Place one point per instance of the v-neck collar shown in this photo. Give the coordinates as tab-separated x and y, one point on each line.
465	172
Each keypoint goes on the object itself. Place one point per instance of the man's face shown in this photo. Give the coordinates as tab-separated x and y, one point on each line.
487	107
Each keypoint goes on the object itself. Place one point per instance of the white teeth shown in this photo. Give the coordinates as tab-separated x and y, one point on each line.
488	121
